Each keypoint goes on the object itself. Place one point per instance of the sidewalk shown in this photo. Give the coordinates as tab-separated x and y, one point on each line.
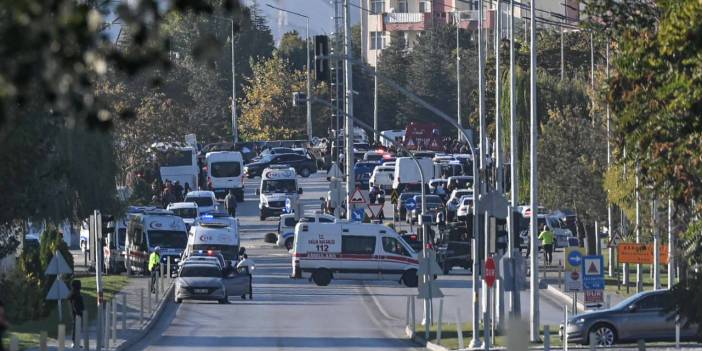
138	316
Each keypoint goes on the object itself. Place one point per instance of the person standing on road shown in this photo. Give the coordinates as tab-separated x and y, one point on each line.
154	265
546	236
230	203
247	265
77	307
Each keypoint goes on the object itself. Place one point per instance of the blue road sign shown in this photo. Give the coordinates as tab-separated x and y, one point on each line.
593	272
410	204
575	258
358	214
288	205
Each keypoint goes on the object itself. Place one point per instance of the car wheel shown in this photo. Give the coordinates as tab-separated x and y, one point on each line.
262	216
305	172
289	242
270	238
410	278
178	300
322	277
604	334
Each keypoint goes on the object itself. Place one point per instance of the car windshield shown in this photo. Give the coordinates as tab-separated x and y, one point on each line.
185	212
373	157
204	271
171	239
230	252
278	186
176	158
267	158
225	169
201	201
554	222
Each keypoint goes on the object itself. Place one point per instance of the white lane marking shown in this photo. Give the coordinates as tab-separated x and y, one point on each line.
376	302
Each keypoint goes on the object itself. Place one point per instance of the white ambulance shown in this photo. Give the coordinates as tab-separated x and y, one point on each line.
349	250
150	229
286	226
215	235
278	183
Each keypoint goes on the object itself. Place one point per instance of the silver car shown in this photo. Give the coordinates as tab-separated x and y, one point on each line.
200	281
641	316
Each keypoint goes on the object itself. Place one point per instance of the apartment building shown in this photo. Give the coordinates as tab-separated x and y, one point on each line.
410	18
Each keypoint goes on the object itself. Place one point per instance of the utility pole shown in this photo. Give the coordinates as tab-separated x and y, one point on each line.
639	282
309	84
376	124
498	99
348	110
475	341
533	185
609	160
656	245
514	184
458	71
235	127
671	246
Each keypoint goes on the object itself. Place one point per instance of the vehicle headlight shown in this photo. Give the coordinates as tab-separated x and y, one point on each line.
577	321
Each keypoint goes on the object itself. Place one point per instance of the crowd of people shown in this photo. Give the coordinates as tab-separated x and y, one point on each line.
168	192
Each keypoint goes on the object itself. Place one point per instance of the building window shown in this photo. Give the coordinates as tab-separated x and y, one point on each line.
424	6
402	6
376	41
377	6
475	5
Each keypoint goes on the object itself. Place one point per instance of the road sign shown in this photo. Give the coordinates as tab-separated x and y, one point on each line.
58	290
428	265
58	265
614	240
594	298
358	214
490	274
288	205
593	272
410	204
394	197
573	269
357	197
640	253
375	210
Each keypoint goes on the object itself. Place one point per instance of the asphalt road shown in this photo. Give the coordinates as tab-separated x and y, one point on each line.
287	314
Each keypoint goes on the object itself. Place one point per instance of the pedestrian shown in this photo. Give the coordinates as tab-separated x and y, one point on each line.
178	189
546	236
75	298
4	324
373	194
230	203
440	219
186	189
247	265
154	265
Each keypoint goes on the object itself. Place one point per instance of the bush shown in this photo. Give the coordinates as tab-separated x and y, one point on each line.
23	298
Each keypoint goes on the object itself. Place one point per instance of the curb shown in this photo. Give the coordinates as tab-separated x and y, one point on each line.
146	328
563	297
420	340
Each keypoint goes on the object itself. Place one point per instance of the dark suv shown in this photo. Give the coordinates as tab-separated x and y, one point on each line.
304	165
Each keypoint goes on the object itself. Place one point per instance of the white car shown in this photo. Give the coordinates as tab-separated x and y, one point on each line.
205	200
382	176
188	211
452	202
465	207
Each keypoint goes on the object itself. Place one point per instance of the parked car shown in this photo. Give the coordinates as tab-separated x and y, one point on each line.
453	202
434	204
304	165
641	316
465	207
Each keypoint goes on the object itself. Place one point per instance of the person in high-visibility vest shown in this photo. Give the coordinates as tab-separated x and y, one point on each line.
546	236
154	266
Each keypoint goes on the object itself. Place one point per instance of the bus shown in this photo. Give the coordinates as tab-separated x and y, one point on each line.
177	162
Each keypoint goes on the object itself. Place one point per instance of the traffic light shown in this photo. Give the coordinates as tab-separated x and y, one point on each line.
299	99
321	64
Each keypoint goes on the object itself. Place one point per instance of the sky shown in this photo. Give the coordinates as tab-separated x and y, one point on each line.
319	11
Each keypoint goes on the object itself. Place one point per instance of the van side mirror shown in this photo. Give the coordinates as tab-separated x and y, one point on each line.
299	191
258	191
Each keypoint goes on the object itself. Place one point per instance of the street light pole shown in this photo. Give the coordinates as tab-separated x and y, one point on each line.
534	276
498	98
307	69
458	70
514	190
235	127
348	110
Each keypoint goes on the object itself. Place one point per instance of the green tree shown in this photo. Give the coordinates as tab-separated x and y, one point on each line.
266	108
293	49
392	64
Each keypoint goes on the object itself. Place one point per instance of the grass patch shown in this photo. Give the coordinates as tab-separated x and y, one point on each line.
28	332
449	335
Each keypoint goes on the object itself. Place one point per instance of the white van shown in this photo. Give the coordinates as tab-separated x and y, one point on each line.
224	173
348	250
215	235
205	200
286	226
383	177
277	185
407	173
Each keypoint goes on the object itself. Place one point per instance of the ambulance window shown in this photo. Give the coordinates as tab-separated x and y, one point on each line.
393	246
290	222
352	244
325	220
